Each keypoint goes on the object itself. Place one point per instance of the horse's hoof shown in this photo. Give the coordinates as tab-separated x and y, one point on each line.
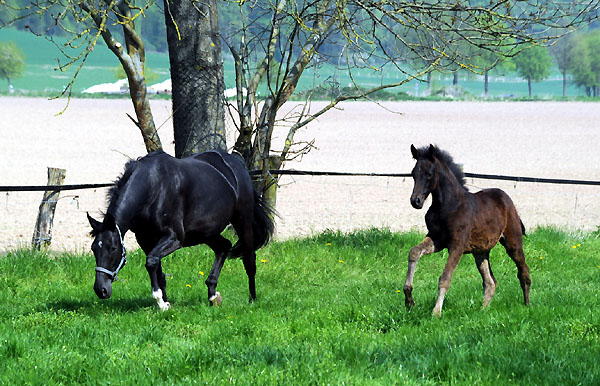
216	300
409	303
437	313
164	306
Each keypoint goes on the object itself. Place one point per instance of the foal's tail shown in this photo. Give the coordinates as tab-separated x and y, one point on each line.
522	227
263	226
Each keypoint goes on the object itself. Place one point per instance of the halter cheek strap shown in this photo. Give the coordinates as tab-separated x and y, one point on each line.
113	274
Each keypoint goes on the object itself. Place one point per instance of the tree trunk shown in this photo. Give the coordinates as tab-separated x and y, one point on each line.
564	74
428	83
486	83
196	75
529	86
455	79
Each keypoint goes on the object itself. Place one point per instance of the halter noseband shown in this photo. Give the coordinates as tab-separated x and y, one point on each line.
113	274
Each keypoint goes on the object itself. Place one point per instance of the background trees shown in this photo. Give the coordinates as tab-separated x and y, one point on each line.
533	64
12	62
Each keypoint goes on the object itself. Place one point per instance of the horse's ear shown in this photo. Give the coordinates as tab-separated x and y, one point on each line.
109	222
414	151
96	225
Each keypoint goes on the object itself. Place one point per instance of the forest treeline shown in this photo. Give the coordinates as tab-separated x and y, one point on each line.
576	55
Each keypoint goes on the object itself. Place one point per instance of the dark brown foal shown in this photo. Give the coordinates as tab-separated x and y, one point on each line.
463	223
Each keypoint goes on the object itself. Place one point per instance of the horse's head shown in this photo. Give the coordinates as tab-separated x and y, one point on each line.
109	251
424	173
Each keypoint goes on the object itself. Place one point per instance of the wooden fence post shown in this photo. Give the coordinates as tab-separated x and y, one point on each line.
42	234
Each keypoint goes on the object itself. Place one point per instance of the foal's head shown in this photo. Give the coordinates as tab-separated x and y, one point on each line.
109	251
427	172
424	174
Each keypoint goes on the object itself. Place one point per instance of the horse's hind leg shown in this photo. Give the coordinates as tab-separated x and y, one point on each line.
246	238
482	260
425	248
513	243
220	246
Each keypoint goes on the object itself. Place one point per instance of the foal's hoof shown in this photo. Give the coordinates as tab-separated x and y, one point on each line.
409	303
216	299
437	313
164	306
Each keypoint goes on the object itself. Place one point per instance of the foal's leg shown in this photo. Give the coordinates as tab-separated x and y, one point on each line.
513	243
221	246
165	246
425	248
482	259
454	255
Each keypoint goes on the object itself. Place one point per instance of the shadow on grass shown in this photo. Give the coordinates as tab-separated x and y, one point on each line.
95	306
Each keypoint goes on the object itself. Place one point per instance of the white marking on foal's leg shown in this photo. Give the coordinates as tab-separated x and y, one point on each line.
437	310
162	305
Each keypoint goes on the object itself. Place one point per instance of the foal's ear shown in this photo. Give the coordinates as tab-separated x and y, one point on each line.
96	225
431	152
414	151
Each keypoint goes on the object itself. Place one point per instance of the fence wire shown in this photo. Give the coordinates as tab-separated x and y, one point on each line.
309	204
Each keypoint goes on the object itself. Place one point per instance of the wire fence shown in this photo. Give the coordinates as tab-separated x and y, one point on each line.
313	201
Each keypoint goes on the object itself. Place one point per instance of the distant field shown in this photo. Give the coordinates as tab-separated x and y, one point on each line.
41	74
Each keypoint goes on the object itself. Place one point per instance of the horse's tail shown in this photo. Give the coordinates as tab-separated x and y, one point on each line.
522	227
263	226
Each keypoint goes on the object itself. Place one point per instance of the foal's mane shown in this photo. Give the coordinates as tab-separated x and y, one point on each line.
444	157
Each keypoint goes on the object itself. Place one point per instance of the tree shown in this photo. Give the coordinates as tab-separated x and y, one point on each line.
412	38
84	23
585	63
196	75
12	62
562	51
533	64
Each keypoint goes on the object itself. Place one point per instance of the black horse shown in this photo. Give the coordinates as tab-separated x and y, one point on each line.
171	203
463	222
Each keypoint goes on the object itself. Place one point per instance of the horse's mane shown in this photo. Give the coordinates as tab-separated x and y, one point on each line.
115	190
444	157
130	166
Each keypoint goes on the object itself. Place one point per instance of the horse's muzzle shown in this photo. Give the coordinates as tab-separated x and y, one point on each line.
103	288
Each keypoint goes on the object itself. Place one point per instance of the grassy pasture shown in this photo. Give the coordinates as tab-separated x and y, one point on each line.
328	312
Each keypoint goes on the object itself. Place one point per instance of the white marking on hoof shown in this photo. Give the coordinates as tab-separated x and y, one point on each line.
216	299
162	305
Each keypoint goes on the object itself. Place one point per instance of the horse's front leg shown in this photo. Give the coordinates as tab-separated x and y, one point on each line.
454	255
425	248
164	247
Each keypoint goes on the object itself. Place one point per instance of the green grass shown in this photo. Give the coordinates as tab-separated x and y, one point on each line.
328	312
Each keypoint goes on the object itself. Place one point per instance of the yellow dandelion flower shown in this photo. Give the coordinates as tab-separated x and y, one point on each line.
574	246
201	273
188	285
263	260
578	245
399	291
341	261
541	257
328	244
